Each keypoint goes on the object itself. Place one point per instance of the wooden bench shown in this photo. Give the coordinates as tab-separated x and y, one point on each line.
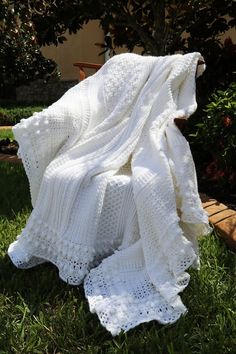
82	65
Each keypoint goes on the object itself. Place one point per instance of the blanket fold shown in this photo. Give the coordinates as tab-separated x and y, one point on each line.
114	189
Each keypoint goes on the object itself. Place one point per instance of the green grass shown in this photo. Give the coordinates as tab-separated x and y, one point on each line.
41	314
6	133
13	113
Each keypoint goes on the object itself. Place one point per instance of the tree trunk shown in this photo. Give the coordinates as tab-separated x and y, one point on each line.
159	27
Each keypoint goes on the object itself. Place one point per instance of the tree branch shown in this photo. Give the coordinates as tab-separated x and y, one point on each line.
148	41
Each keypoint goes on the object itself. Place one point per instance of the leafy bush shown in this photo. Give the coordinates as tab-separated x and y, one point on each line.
12	115
214	141
21	60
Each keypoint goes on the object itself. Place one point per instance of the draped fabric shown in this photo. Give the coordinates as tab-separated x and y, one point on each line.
114	190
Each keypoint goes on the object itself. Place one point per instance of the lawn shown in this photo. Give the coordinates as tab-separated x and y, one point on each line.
12	114
41	314
6	133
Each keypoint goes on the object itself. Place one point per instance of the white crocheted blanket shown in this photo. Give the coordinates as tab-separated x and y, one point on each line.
114	190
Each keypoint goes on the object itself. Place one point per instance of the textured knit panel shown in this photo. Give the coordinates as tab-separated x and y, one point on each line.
55	129
70	252
114	189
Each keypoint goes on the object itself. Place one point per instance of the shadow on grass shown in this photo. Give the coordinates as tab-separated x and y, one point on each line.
45	298
14	189
36	285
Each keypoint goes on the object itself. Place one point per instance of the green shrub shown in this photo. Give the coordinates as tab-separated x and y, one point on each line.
215	140
12	115
21	60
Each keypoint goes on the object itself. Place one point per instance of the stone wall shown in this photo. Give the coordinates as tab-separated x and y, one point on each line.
43	92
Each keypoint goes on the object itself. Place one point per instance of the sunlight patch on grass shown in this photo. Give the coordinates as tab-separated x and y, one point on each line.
6	133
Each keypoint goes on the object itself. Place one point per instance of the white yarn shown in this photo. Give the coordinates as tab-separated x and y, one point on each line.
114	189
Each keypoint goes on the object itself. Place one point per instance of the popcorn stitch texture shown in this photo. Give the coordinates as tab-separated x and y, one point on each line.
114	189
